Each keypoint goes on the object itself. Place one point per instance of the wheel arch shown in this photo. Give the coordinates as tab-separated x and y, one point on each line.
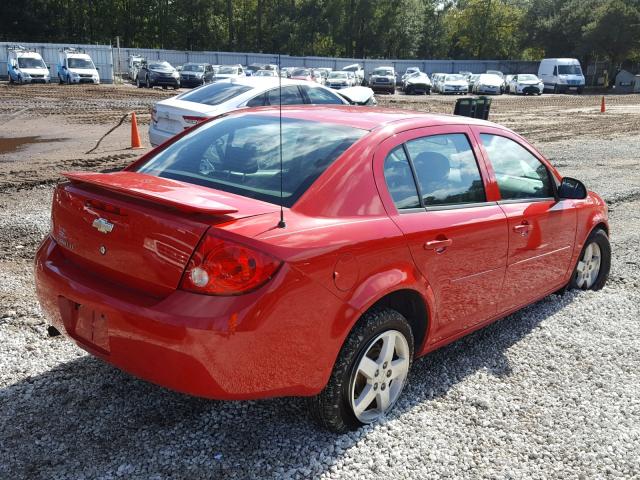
412	305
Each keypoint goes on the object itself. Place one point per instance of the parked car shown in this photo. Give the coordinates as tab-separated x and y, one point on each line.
173	115
134	62
525	84
383	79
453	83
408	72
179	269
436	80
266	73
357	71
26	66
417	83
466	74
339	79
302	74
560	75
158	73
75	66
488	83
196	74
229	71
253	68
472	81
507	83
319	75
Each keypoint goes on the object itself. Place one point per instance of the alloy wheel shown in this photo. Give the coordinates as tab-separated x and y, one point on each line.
588	267
380	376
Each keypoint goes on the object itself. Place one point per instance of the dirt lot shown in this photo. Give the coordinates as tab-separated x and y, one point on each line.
552	391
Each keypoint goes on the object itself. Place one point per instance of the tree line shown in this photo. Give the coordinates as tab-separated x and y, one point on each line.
425	29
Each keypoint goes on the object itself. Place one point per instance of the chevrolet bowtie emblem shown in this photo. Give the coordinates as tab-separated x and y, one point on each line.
102	225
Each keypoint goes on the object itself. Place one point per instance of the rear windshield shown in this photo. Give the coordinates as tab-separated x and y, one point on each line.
241	155
215	94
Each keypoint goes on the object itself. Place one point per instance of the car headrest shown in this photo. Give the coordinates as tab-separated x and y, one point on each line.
433	166
241	159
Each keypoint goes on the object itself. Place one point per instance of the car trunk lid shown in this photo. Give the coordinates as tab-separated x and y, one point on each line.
139	230
176	116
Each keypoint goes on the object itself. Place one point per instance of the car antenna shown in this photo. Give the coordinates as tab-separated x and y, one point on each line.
281	223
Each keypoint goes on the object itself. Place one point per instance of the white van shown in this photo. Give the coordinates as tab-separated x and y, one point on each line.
76	67
561	74
26	66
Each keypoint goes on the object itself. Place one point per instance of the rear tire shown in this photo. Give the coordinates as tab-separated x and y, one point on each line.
592	270
378	352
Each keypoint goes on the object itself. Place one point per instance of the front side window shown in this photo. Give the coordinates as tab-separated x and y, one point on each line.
519	174
446	170
241	155
400	182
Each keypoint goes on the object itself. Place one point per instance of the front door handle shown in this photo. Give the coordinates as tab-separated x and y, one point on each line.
523	228
438	245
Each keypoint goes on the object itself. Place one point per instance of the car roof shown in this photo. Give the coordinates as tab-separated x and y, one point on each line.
366	118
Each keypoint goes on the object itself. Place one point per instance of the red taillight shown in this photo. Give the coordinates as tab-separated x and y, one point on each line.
192	120
222	267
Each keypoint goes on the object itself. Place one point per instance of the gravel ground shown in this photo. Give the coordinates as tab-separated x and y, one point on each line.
552	391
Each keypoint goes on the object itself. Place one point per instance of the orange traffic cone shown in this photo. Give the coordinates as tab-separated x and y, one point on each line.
135	136
603	107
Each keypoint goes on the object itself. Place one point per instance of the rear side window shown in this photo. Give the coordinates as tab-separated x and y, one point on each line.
446	170
241	155
290	96
320	96
399	178
519	174
215	94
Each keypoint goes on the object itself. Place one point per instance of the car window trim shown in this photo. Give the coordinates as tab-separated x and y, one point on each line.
452	206
525	200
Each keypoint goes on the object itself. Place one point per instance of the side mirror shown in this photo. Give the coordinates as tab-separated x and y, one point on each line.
570	188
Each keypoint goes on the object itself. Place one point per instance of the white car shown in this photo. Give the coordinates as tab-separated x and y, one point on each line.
454	83
26	66
409	71
488	83
525	84
173	115
266	73
436	80
229	71
339	79
76	67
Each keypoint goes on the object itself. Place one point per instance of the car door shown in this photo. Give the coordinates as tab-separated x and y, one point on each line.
541	228
432	186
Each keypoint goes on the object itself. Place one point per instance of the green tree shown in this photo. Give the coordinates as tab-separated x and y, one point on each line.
614	30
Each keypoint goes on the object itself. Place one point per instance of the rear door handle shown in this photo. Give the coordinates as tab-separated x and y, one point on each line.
438	245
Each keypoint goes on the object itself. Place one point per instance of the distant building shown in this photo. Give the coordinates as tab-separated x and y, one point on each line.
627	82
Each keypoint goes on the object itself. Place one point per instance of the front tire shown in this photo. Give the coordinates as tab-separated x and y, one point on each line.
369	374
592	269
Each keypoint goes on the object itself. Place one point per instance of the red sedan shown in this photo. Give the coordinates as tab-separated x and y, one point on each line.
402	232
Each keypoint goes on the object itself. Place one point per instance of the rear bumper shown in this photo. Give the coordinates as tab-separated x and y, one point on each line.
243	347
158	137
